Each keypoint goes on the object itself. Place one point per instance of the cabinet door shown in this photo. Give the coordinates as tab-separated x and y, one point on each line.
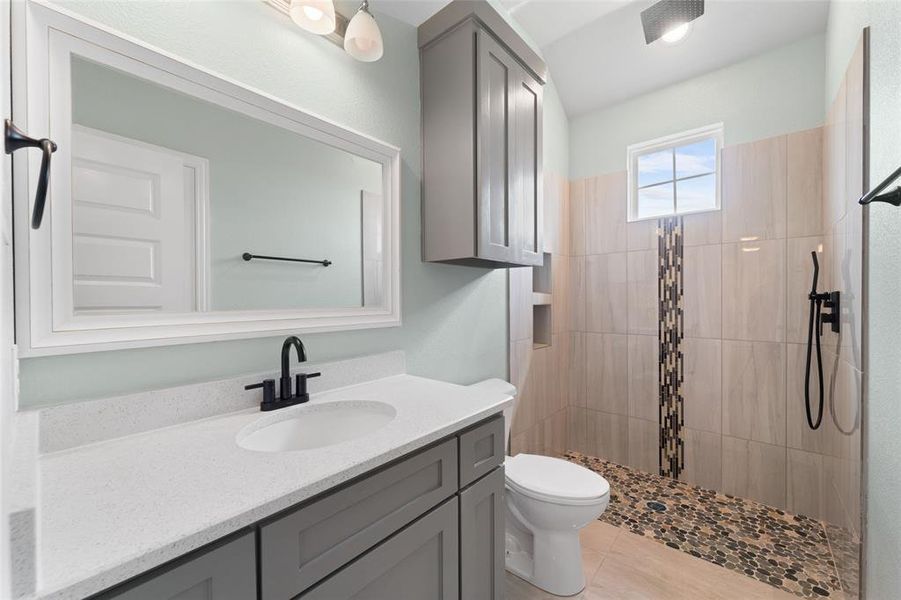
528	187
419	562
482	538
305	546
227	572
495	142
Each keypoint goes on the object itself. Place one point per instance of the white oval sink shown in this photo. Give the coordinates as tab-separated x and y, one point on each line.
315	426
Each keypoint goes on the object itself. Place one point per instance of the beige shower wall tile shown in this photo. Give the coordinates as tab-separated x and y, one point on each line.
642	292
754	291
642	235
703	459
608	436
854	132
520	289
606	296
608	377
754	391
577	429
605	214
702	229
805	183
834	156
702	296
754	190
575	369
702	385
800	276
577	293
826	439
644	390
561	293
754	470
644	445
577	194
847	278
806	484
555	433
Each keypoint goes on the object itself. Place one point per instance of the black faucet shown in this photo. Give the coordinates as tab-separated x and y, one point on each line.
286	398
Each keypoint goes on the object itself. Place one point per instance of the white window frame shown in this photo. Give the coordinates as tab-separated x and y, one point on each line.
669	142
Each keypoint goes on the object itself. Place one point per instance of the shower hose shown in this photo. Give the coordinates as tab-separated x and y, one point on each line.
816	306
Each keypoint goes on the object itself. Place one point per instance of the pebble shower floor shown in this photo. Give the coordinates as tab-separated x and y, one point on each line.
791	552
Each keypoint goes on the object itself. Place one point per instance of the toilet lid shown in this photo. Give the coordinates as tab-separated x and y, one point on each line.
554	478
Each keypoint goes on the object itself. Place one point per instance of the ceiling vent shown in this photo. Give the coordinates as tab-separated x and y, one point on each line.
666	15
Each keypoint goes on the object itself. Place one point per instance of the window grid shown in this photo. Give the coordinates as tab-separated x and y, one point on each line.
673	144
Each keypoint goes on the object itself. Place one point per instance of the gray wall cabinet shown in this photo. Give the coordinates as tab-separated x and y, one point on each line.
429	526
481	90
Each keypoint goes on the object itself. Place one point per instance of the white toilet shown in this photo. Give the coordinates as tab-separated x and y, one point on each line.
548	501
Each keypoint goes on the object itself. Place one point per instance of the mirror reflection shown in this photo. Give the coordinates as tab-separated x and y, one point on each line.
170	192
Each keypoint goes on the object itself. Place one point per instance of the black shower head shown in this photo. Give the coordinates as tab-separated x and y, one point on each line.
666	14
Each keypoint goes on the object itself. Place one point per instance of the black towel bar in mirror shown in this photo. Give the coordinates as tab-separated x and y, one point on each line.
15	139
248	256
876	195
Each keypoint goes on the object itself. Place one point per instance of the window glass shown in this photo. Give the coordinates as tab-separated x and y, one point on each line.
675	176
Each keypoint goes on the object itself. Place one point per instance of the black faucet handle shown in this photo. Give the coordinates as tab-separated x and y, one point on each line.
268	386
301	383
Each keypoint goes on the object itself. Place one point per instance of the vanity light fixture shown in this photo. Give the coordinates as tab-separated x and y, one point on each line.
360	37
670	20
363	39
316	16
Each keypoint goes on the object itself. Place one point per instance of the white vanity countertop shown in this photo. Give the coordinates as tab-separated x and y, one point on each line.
114	509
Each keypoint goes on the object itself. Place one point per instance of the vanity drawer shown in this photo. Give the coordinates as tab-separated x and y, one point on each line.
481	449
225	572
303	547
420	562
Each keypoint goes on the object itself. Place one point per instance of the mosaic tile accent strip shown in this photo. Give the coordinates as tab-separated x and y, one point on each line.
669	335
789	552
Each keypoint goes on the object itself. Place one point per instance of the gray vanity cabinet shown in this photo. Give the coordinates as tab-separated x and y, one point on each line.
421	561
482	538
481	90
428	526
225	572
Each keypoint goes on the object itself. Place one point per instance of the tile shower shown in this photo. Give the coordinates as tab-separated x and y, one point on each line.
746	272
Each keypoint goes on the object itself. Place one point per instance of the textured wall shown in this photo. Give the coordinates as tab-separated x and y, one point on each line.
454	317
764	96
882	354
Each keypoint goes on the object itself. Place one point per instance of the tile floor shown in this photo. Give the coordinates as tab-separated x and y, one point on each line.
702	545
620	565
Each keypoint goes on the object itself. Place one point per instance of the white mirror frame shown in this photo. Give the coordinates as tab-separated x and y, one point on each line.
44	38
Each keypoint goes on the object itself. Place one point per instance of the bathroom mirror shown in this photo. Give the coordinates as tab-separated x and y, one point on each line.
184	207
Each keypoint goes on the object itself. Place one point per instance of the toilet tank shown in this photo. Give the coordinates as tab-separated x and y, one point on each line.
500	386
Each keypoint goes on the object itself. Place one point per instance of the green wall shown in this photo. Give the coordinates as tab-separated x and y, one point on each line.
454	318
769	94
271	191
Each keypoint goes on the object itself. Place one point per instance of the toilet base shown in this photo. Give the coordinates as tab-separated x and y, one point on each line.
551	561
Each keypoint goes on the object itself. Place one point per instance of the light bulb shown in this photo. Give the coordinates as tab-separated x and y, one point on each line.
363	39
316	16
676	33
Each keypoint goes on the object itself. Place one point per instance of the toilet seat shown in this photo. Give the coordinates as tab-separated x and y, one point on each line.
554	480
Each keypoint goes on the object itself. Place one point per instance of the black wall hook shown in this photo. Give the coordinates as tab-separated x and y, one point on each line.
15	139
875	195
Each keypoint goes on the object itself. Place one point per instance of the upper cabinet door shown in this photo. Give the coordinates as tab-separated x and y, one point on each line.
526	170
495	138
